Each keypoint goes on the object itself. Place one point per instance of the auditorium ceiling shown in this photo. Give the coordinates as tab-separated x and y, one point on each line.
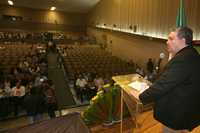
82	6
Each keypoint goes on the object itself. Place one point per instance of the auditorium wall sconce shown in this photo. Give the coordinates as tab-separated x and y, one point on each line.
114	25
104	24
130	27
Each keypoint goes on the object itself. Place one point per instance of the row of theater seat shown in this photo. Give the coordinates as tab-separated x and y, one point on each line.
12	54
82	59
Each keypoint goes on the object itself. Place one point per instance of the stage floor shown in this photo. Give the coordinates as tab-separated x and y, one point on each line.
149	125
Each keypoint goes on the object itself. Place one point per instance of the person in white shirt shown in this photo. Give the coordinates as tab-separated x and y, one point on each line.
18	90
81	87
18	93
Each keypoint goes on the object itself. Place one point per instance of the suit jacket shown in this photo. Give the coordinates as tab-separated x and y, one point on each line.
176	93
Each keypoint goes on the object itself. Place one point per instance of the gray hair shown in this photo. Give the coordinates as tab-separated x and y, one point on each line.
186	33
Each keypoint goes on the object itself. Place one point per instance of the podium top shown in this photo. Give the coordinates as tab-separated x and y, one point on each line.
125	81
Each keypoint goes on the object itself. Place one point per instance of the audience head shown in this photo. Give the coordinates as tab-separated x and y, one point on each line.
18	84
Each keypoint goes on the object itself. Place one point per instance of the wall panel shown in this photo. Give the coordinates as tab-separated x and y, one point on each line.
52	19
152	17
129	47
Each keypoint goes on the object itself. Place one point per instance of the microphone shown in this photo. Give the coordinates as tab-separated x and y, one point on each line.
162	55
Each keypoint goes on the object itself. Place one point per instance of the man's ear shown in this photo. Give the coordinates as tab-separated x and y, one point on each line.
183	40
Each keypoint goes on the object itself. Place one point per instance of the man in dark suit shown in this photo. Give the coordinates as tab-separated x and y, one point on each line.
176	94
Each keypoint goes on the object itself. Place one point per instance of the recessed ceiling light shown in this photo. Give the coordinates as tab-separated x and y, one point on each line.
53	8
10	2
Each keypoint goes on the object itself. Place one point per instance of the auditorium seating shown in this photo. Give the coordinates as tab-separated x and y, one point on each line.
12	54
81	59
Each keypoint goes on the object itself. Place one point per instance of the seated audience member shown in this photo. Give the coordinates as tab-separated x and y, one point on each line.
99	82
18	92
7	87
91	90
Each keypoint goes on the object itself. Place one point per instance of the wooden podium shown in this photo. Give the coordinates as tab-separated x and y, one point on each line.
130	96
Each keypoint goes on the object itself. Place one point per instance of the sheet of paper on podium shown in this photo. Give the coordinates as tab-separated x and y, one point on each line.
139	86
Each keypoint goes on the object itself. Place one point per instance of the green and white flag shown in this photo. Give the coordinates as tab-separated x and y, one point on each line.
181	17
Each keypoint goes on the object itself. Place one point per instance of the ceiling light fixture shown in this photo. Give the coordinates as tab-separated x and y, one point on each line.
53	8
10	2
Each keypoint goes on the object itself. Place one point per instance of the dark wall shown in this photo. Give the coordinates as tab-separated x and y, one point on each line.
42	20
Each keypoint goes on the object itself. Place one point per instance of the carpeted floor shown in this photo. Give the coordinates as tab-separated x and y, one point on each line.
63	93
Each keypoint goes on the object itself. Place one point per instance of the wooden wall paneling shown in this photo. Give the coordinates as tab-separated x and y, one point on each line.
127	10
153	16
95	15
167	18
114	13
106	12
133	14
120	25
123	13
188	11
136	15
195	18
117	11
159	16
139	16
144	19
129	15
101	13
131	21
173	11
191	8
163	21
111	12
148	18
98	13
